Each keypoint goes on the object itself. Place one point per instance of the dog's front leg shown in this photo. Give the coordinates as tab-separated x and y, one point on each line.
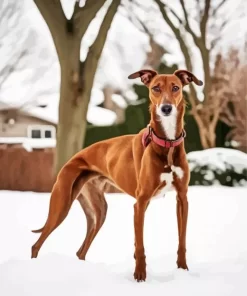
139	213
182	215
145	190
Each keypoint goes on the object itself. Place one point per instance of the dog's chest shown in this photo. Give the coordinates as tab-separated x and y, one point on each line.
168	179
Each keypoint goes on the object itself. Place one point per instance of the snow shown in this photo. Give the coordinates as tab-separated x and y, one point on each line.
218	158
48	113
119	100
131	95
216	247
28	143
100	116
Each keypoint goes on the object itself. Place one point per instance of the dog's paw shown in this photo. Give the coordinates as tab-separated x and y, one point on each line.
34	252
140	275
182	264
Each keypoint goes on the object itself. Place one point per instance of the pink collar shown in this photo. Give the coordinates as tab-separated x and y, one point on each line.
150	135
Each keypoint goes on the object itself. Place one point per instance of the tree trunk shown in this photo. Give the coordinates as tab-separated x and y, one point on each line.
72	125
111	105
206	132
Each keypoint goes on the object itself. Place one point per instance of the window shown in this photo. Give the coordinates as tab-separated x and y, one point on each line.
36	134
48	134
41	132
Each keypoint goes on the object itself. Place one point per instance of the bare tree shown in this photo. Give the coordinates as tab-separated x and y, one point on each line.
76	77
156	51
10	13
19	50
231	91
205	116
153	59
9	69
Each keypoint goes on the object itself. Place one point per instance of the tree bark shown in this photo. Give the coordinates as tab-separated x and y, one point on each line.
69	131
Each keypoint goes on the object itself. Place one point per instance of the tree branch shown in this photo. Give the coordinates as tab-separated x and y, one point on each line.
9	69
95	50
143	28
176	15
177	33
82	16
200	42
183	47
216	9
219	37
187	25
53	14
204	20
200	10
97	47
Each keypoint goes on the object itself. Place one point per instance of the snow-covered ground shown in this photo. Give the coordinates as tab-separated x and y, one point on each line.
216	247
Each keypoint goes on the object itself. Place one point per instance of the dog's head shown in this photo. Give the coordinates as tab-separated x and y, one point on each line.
165	91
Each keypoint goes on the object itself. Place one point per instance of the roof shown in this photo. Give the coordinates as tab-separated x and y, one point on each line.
95	115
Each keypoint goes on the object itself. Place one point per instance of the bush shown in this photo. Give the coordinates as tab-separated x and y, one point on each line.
218	166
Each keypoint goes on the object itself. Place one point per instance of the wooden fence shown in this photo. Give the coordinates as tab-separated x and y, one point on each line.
26	171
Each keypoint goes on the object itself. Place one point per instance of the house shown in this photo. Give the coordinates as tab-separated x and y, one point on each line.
39	121
27	145
16	123
28	141
22	124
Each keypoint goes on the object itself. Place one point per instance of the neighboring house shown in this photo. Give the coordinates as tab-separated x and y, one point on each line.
27	143
20	123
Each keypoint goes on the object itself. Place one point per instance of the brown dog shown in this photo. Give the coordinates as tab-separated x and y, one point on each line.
155	160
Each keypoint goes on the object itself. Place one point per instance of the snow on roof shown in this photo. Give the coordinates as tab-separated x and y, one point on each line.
218	158
48	113
95	115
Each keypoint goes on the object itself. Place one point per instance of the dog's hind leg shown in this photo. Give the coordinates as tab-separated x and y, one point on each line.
94	206
58	210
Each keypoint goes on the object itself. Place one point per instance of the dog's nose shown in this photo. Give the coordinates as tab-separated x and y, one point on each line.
166	109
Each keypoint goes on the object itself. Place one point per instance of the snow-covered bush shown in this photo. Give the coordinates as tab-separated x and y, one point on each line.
218	166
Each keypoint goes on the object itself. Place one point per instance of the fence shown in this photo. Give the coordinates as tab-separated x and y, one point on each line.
26	171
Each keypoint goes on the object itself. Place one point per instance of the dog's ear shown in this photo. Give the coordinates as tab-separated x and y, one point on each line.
145	74
186	77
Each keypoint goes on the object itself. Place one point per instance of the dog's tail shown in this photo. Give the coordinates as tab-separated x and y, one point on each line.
38	230
61	196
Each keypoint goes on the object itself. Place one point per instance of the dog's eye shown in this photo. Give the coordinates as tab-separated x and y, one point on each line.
175	88
156	88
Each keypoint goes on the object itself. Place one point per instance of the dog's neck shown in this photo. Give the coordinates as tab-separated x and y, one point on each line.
168	127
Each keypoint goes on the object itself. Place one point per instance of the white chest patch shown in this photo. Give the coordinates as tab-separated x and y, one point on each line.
168	178
178	171
168	123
